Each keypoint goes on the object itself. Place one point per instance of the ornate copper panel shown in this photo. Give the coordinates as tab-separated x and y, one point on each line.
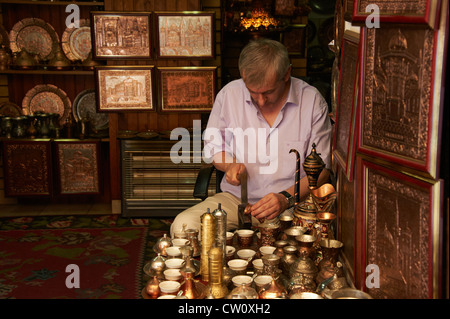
78	167
398	110
27	168
401	232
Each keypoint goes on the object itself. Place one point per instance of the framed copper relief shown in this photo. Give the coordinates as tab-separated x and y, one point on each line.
401	231
185	35
344	138
187	88
402	110
294	39
27	167
124	88
77	167
400	11
121	35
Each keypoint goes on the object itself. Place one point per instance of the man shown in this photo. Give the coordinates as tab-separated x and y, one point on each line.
253	125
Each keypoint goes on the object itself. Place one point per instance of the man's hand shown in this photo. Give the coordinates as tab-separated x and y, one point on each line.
232	173
269	207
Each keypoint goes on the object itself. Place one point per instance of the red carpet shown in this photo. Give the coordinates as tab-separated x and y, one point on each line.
109	260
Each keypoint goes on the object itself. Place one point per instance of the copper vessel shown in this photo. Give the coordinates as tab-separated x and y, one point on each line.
306	246
156	266
292	232
330	252
325	219
188	287
274	291
324	197
162	244
289	257
59	62
24	60
208	225
305	215
301	283
221	229
192	236
280	244
269	230
152	287
218	288
285	223
304	266
313	166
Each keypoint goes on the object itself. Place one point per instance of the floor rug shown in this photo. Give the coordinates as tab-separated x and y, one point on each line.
76	257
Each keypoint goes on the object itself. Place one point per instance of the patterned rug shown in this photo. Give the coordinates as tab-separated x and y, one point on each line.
76	257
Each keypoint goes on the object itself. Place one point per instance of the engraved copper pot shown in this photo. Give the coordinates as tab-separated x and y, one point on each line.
331	249
59	61
152	287
162	244
305	215
301	283
304	266
280	244
289	257
188	287
24	60
306	246
157	265
293	232
274	291
325	219
313	166
192	236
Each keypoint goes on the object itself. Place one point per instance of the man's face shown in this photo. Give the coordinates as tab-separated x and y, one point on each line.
269	94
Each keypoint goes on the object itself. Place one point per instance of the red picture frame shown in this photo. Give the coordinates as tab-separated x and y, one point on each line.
399	231
403	127
121	35
400	11
185	35
347	106
187	89
125	88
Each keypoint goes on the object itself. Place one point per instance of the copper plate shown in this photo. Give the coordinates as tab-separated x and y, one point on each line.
147	134
85	107
34	35
49	99
76	42
10	109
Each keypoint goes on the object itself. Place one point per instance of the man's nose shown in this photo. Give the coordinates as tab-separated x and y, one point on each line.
261	99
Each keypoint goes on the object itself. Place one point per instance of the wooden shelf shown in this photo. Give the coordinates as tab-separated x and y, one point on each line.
54	3
48	72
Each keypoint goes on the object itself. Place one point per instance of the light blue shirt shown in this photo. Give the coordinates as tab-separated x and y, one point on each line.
302	121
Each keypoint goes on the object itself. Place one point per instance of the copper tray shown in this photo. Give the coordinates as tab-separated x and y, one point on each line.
47	98
85	107
76	42
34	35
10	109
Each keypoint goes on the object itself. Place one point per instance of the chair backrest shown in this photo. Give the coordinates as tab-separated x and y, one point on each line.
203	180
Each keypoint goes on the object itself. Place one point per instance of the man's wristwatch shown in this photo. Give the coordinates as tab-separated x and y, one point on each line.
289	197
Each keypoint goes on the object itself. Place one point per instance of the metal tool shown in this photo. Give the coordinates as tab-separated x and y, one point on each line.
245	220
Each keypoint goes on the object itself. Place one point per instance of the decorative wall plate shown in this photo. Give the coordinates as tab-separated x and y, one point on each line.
85	107
76	42
34	35
10	109
47	98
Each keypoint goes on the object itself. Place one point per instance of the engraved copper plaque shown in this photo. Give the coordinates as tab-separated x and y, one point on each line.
27	167
401	97
124	88
347	104
78	167
401	232
187	89
185	34
121	35
404	11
